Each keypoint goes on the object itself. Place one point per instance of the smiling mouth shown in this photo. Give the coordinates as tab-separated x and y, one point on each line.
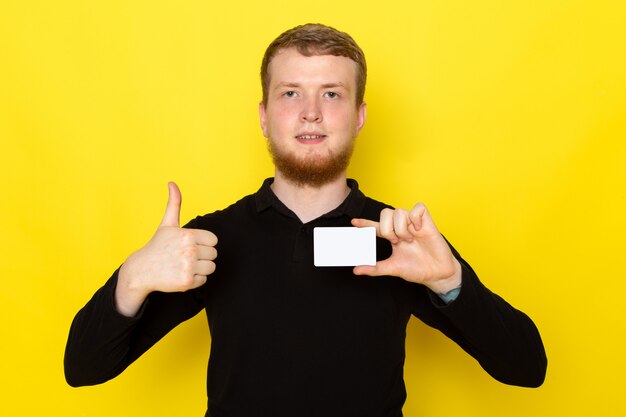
310	139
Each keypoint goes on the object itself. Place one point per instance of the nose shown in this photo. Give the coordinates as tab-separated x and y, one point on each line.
311	112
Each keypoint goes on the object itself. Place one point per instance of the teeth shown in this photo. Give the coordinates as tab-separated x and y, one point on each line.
310	136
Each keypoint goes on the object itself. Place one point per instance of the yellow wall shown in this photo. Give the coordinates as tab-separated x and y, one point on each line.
507	118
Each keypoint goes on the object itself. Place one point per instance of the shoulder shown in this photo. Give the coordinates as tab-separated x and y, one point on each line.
372	208
237	212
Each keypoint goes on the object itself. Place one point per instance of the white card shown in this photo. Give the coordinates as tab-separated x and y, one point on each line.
344	246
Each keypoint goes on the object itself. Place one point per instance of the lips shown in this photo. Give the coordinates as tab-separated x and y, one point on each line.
310	137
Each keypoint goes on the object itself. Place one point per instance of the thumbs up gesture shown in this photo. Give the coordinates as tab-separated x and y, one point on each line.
174	260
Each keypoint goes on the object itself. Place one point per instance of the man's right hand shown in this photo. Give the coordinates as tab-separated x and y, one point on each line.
174	260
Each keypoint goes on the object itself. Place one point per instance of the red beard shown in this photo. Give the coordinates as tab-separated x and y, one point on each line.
311	170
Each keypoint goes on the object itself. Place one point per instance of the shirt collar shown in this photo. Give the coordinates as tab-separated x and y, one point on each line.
352	206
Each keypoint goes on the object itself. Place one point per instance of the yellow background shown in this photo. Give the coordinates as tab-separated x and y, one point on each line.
507	118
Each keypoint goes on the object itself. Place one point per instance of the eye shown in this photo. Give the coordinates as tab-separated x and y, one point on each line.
290	93
331	94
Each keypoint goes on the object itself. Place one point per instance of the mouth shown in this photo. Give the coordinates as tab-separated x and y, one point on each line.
310	138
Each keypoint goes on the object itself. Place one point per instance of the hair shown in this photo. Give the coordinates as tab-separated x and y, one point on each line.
316	39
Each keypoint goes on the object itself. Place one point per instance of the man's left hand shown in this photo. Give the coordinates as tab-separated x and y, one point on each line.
420	254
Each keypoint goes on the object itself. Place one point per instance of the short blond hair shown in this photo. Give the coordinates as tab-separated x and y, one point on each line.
316	39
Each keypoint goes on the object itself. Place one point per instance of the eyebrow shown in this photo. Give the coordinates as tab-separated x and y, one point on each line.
326	85
334	85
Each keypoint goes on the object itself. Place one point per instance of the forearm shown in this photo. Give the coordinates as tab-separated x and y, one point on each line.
99	340
504	340
102	342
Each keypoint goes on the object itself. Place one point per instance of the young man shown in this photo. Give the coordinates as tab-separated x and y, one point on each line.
288	337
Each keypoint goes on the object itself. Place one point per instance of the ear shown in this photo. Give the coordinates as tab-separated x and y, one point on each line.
360	117
263	118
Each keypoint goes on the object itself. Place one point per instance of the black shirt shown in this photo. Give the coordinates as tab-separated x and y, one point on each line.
289	338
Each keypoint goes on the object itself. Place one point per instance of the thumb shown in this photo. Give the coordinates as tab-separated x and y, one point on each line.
172	211
381	268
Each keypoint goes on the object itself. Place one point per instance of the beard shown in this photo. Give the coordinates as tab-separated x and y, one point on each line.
312	170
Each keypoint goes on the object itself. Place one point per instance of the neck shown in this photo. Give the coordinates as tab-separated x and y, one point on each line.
309	202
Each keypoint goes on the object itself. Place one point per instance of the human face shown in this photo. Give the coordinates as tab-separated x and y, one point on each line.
311	118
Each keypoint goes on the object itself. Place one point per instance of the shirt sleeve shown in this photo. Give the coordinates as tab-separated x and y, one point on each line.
102	342
450	296
504	340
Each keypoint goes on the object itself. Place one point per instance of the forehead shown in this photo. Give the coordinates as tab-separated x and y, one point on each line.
290	66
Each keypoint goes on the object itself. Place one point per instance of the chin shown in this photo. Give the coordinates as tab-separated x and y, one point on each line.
312	170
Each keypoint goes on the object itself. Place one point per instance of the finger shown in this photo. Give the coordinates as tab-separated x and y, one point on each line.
364	270
386	225
420	217
204	237
198	281
401	224
204	267
206	253
416	216
380	269
366	223
172	211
